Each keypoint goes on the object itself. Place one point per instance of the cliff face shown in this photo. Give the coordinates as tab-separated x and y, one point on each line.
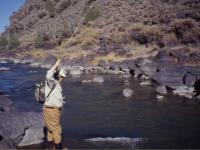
58	18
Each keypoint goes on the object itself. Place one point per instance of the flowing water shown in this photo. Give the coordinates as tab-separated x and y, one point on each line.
98	116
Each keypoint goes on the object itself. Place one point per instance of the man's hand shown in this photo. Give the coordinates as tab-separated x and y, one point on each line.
58	62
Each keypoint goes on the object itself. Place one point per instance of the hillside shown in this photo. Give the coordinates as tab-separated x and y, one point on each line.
113	29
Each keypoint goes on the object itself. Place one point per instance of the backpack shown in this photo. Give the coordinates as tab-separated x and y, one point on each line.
40	92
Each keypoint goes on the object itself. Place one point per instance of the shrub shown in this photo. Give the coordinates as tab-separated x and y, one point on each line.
92	14
3	42
120	37
188	37
145	34
179	26
50	7
13	42
42	15
169	40
41	39
151	34
135	30
64	5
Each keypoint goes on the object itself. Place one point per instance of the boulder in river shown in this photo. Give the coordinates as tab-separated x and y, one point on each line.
127	93
98	79
149	69
6	105
184	91
86	81
4	69
3	62
160	97
161	89
168	78
75	72
145	83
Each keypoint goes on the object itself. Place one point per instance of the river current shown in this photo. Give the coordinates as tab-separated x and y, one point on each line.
98	116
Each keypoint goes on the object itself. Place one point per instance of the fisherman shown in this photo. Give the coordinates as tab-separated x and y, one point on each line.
53	104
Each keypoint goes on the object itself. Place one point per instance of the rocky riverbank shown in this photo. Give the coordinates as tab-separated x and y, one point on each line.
173	69
18	128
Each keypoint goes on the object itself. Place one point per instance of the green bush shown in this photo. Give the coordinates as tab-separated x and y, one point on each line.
92	14
13	42
50	7
3	42
41	39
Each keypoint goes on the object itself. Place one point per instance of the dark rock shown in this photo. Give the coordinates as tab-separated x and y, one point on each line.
75	72
149	69
168	78
127	64
98	79
127	93
161	89
184	91
190	79
164	56
106	46
13	125
6	105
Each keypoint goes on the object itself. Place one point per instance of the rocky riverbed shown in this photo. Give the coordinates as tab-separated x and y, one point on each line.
148	111
176	70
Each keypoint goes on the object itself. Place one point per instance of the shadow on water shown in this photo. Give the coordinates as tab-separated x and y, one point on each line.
98	116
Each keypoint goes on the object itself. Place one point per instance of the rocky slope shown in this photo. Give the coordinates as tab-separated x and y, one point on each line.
112	26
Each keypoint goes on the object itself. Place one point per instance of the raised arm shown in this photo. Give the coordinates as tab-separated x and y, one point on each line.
53	69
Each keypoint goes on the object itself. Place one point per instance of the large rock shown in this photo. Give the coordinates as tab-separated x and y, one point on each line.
183	91
168	78
75	72
149	69
6	105
3	62
161	89
145	83
127	93
32	136
4	69
13	125
98	79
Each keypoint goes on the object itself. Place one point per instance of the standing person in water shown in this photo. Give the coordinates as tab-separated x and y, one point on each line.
53	104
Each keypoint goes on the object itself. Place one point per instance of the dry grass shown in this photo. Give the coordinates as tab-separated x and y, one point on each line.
58	52
143	51
86	37
119	37
111	57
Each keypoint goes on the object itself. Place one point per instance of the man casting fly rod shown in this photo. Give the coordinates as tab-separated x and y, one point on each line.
52	106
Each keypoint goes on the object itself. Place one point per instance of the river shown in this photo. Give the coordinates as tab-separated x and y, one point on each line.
98	116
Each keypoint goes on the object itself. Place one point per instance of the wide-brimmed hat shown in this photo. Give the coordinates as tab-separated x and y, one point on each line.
62	73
